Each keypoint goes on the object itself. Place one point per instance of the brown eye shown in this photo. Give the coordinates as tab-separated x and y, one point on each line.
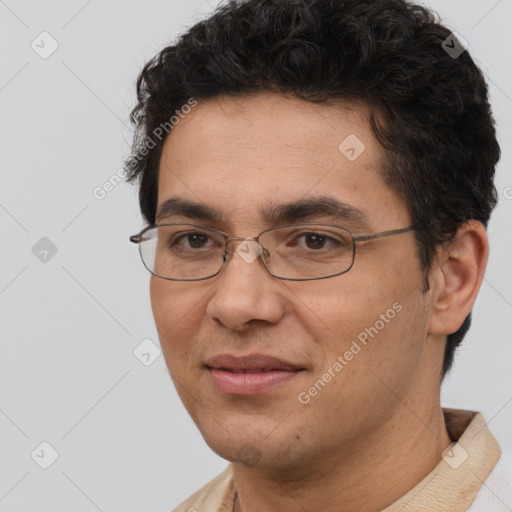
315	241
191	240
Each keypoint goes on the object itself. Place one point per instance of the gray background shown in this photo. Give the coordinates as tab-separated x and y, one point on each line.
70	323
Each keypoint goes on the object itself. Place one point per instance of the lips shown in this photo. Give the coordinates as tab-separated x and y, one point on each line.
250	375
250	364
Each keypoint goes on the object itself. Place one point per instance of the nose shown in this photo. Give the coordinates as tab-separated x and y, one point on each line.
245	292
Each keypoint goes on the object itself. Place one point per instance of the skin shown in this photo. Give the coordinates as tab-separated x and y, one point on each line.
378	424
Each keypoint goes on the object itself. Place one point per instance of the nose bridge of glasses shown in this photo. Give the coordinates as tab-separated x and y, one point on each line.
242	239
249	248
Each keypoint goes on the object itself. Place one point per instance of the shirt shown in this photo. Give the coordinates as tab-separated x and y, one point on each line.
467	478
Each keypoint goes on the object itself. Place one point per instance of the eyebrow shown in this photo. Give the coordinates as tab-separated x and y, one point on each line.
273	214
177	206
322	206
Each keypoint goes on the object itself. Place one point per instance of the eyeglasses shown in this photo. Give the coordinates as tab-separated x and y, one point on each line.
295	252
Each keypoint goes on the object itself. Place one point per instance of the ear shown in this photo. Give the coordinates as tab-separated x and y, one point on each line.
457	276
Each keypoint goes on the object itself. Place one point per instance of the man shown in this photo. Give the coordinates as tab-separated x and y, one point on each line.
317	176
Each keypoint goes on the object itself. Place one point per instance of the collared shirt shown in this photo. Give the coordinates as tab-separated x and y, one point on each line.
451	486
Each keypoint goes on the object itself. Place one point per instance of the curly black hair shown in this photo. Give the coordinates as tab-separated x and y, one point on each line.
429	108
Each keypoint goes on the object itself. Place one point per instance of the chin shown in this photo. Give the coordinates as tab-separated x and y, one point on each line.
256	449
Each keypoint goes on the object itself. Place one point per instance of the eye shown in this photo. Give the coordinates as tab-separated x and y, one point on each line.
315	241
191	240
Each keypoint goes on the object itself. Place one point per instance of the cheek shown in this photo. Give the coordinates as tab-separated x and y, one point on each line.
374	322
343	308
177	315
368	361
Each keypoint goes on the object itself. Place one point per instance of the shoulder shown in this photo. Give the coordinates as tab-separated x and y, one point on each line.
496	491
212	496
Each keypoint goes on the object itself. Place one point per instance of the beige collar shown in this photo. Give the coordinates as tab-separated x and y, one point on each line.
455	481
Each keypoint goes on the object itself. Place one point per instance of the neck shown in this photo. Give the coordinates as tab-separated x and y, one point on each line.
390	461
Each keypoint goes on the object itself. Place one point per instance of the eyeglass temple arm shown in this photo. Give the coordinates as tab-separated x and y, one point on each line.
382	234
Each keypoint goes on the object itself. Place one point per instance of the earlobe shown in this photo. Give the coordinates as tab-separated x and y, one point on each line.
457	278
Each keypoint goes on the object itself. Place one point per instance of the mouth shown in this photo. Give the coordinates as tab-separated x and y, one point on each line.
245	371
250	375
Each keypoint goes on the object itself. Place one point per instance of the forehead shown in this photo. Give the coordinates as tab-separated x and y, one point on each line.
237	154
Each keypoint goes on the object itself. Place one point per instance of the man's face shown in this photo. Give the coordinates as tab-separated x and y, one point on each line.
236	156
